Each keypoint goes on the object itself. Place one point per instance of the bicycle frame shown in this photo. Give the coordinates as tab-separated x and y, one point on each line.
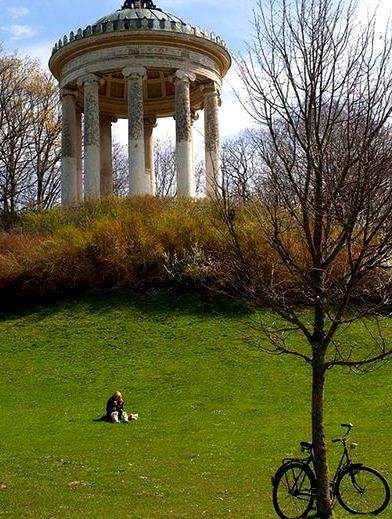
296	478
344	462
296	488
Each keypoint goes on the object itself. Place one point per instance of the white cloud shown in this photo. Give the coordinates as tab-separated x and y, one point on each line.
233	117
19	32
40	52
18	12
382	9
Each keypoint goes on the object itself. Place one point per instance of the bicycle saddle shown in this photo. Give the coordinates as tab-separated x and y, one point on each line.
307	445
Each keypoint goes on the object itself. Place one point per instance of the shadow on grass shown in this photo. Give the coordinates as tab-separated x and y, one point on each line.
153	302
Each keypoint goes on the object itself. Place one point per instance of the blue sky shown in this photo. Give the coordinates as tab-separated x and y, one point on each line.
31	27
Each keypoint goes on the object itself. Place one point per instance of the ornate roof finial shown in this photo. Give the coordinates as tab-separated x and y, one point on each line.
138	4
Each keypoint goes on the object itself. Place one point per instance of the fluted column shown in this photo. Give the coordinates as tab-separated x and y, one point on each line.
68	148
92	152
211	136
184	137
149	125
106	154
137	166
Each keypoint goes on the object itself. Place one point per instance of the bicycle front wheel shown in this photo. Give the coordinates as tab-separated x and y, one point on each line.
362	490
293	492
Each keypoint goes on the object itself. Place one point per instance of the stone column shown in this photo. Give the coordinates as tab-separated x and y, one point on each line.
211	136
68	148
79	153
137	165
184	140
149	125
194	117
92	152
106	154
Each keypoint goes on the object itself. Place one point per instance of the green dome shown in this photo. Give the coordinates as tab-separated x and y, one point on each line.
139	14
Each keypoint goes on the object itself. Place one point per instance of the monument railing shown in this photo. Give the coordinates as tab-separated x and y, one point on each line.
135	24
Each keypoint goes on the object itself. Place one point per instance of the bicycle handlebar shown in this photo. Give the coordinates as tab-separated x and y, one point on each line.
349	427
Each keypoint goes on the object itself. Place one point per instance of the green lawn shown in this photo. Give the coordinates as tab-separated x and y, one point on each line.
216	414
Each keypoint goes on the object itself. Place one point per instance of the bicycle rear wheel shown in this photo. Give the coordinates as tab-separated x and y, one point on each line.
362	490
293	492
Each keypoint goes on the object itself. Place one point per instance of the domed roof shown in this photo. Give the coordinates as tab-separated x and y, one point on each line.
143	16
137	10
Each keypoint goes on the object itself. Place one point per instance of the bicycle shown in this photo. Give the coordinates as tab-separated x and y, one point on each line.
358	489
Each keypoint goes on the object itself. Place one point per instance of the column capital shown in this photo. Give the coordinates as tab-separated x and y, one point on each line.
150	121
91	79
107	118
134	72
183	75
194	115
212	89
67	91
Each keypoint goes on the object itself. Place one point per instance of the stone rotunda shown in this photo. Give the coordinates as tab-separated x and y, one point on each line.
140	64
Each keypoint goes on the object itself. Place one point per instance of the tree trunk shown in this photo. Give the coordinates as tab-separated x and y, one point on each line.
324	509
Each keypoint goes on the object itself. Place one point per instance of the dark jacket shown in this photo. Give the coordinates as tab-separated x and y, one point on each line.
113	405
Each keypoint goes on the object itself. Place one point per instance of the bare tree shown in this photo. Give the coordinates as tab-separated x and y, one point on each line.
120	169
165	167
29	137
43	152
13	135
320	86
200	178
242	165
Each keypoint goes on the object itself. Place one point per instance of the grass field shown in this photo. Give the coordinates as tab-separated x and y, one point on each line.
216	414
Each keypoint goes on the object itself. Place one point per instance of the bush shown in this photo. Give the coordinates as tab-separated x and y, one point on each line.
112	242
141	242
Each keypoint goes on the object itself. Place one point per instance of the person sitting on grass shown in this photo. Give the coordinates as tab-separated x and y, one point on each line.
115	409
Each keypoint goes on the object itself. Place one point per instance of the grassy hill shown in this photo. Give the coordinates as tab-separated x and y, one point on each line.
216	413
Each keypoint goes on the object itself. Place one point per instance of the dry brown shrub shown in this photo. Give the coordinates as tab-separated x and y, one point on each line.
140	242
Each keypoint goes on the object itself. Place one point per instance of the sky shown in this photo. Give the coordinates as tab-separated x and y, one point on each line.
35	25
31	27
